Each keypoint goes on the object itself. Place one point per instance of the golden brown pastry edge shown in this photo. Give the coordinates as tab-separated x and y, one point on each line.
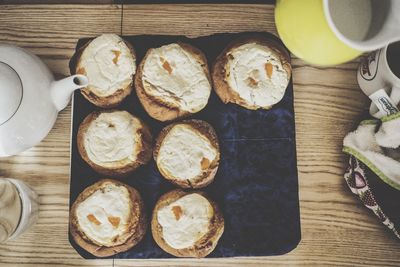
219	72
143	156
206	177
137	227
110	101
204	245
156	108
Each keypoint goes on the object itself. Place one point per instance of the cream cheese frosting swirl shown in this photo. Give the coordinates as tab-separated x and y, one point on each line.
104	215
108	63
174	76
184	151
256	74
110	138
185	221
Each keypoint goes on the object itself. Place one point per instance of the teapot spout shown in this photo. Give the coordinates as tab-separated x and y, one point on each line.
61	91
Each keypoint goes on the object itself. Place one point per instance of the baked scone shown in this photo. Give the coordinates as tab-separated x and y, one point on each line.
109	64
173	81
113	142
187	224
252	72
108	217
187	153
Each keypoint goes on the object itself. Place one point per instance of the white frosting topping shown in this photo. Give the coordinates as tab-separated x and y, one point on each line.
185	221
110	138
104	215
174	76
183	152
256	74
108	64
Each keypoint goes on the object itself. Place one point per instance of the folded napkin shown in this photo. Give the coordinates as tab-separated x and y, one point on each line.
388	134
374	149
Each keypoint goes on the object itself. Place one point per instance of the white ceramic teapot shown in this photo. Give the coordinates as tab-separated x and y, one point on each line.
30	99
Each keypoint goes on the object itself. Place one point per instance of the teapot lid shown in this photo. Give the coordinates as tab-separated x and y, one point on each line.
10	92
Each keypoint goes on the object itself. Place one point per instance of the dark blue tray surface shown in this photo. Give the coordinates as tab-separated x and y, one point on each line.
256	185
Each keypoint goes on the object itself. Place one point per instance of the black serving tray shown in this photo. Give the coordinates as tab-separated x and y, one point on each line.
256	185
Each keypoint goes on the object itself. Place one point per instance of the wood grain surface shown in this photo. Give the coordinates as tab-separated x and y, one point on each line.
336	228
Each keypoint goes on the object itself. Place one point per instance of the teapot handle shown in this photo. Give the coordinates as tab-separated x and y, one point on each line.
61	91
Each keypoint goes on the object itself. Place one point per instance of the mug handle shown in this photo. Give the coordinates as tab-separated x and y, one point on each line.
395	94
384	105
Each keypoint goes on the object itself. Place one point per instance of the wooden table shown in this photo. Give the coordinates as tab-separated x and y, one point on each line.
336	228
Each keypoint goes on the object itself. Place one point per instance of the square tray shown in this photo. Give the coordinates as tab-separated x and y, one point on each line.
256	185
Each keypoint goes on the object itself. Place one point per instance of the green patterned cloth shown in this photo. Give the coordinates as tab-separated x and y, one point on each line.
375	156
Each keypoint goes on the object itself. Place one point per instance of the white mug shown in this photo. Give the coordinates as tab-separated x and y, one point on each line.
364	25
379	77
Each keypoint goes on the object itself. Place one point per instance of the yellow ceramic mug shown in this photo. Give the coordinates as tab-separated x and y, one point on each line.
304	29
